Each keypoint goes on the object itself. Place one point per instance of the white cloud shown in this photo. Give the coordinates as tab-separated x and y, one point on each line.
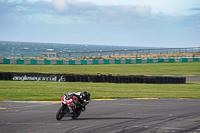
71	21
165	6
60	5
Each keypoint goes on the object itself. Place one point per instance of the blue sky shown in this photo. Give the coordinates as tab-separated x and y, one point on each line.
152	23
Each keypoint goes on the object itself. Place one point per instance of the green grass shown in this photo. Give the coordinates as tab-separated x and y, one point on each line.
188	68
34	90
29	90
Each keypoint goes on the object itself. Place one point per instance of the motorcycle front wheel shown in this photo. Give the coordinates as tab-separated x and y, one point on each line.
60	113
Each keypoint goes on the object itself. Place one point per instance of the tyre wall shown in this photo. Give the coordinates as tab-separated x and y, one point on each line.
92	78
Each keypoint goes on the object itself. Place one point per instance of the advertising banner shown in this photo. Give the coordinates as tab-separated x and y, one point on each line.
38	77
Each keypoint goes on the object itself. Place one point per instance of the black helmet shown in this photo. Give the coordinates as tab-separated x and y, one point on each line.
84	94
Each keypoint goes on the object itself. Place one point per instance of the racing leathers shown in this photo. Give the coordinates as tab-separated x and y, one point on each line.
83	99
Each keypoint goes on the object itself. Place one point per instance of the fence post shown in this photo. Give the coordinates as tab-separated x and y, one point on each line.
107	53
160	51
125	52
185	50
131	51
88	54
119	52
101	52
167	50
137	54
95	54
63	54
113	52
179	50
173	50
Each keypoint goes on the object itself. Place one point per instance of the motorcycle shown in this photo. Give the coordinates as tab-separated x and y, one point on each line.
69	108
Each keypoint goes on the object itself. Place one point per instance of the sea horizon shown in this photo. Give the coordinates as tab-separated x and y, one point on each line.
33	49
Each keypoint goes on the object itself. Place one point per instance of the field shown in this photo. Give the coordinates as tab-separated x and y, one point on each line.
19	90
27	90
188	68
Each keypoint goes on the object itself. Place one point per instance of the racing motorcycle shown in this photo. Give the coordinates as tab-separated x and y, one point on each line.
69	108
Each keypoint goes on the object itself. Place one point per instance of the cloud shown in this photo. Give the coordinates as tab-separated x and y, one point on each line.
72	21
194	9
60	5
24	7
71	8
71	11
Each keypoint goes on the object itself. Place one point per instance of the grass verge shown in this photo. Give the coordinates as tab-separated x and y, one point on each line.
45	91
187	68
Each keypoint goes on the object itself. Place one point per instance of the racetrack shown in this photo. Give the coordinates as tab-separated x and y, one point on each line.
120	115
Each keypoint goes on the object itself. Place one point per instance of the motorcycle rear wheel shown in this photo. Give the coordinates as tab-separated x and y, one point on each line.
60	113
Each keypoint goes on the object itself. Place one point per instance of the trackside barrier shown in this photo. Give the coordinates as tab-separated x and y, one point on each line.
97	61
92	78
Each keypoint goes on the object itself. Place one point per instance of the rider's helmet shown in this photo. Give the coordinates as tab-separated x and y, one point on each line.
85	95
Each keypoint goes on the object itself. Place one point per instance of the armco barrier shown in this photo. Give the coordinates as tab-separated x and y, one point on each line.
97	61
92	78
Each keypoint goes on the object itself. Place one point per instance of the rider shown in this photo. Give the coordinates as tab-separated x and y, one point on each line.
83	98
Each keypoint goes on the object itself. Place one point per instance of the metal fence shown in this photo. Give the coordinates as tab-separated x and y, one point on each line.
118	52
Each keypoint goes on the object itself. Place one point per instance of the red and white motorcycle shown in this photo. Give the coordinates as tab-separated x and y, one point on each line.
69	108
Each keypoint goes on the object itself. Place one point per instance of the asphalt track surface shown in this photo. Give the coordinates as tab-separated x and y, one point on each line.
120	115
